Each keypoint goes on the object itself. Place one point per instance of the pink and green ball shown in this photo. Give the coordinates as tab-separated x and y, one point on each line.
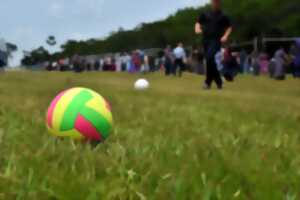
80	114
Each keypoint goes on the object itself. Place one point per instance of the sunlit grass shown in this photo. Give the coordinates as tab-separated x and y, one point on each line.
174	141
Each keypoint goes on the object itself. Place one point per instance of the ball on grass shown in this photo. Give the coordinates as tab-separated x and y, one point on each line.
80	114
141	84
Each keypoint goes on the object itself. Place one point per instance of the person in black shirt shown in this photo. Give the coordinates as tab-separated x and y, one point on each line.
216	29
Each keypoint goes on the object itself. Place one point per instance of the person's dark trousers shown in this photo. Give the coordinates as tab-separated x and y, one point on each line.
123	67
178	67
168	68
230	70
211	48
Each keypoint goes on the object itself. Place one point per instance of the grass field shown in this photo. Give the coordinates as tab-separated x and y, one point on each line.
174	141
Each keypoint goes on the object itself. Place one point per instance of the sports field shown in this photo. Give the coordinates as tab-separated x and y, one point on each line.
174	141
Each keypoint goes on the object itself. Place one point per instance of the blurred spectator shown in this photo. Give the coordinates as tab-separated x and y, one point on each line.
106	64
293	50
142	60
123	61
61	65
101	60
168	60
230	64
64	64
135	62
296	63
146	66
219	57
151	61
109	65
197	60
180	57
76	60
243	61
55	66
263	63
277	70
118	63
127	62
83	63
255	68
248	64
89	66
48	66
97	65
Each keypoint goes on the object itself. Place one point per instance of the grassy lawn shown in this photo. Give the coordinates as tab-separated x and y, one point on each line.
173	141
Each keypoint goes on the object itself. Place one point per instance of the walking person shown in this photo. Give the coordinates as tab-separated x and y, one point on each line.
180	57
216	29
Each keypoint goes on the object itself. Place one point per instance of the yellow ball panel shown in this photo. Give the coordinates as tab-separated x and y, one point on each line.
62	105
73	134
100	107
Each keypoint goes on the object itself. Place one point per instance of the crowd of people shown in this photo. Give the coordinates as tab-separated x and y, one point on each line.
172	61
137	61
276	65
230	63
175	61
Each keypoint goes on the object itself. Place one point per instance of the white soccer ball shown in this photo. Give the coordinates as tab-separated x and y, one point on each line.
141	84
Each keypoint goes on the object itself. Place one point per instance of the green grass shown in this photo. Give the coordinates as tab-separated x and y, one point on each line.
174	141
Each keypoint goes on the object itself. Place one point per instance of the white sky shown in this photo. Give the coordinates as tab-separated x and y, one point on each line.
28	23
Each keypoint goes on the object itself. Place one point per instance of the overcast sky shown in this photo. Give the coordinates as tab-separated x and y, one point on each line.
27	23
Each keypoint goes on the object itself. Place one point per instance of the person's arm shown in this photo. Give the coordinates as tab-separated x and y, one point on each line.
225	37
200	21
198	29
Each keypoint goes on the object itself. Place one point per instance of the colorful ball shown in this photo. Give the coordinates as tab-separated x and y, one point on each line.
80	114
